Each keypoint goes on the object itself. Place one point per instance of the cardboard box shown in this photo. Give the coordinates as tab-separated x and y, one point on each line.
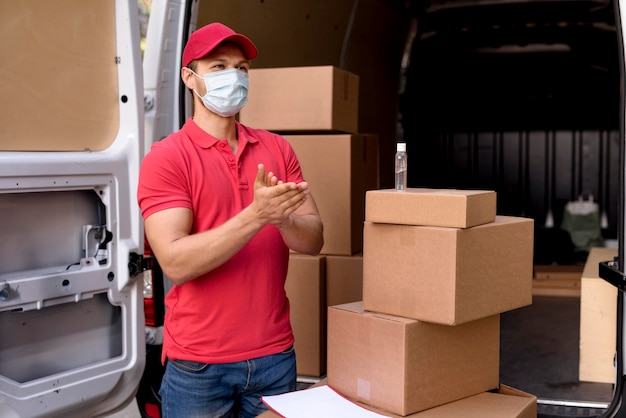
314	99
448	275
404	366
598	320
313	284
344	279
506	402
434	207
306	291
557	280
339	171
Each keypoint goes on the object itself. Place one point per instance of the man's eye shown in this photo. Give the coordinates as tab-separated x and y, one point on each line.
243	68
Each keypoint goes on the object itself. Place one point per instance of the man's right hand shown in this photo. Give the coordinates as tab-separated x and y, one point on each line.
275	200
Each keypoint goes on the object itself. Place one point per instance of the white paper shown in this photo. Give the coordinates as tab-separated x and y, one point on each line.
321	401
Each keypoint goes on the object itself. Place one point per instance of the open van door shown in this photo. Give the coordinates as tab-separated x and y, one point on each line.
166	106
613	271
72	338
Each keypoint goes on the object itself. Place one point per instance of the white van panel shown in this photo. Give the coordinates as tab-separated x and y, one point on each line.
71	313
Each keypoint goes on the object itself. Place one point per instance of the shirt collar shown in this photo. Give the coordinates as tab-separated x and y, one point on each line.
204	140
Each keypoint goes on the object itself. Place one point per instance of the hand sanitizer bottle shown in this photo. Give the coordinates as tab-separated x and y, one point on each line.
401	166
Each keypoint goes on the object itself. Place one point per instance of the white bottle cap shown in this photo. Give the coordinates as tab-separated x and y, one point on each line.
401	147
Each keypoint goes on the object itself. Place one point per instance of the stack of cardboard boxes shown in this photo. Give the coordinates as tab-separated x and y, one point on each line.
426	272
438	269
316	109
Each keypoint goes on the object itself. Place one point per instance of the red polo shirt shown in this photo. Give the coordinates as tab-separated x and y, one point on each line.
239	310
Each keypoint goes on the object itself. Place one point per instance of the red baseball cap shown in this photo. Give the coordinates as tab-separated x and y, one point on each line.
205	39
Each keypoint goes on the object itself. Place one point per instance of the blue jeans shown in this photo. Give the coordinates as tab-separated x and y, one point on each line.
232	390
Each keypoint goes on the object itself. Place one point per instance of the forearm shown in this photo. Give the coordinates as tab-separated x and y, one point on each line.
191	256
303	233
185	256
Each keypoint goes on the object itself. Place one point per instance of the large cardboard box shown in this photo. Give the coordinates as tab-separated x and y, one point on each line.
435	207
339	171
344	279
505	402
306	290
404	366
598	320
314	99
448	275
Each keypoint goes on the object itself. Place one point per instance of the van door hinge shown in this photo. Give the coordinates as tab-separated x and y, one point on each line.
139	263
609	271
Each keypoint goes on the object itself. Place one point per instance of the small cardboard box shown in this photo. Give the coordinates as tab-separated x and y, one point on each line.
339	171
404	366
505	402
434	207
313	284
448	275
557	280
314	99
306	290
598	320
344	279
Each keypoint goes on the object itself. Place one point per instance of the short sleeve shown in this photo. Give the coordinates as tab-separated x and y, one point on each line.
163	183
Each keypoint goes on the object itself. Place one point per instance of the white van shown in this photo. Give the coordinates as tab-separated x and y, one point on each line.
71	308
525	97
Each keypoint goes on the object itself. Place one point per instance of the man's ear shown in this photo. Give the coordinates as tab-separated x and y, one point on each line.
188	78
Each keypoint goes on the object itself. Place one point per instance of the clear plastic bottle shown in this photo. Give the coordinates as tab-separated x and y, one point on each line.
401	166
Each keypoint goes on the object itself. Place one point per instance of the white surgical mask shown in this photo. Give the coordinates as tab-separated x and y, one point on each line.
226	91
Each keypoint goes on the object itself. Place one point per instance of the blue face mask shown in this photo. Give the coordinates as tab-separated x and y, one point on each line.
226	91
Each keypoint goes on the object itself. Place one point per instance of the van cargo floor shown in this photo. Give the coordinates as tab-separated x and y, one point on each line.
540	351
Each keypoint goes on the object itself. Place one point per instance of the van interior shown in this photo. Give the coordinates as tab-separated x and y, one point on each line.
520	97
